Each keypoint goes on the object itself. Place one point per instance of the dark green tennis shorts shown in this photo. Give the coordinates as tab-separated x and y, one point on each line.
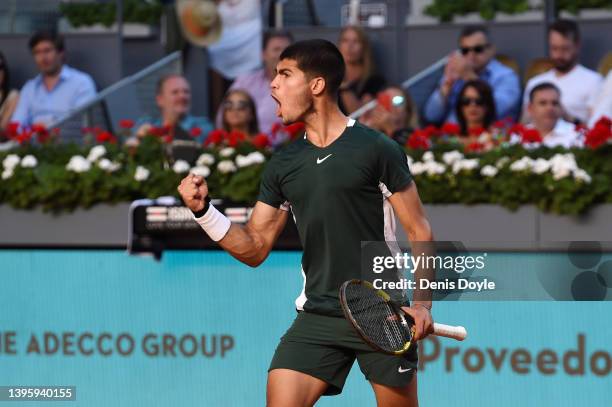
326	347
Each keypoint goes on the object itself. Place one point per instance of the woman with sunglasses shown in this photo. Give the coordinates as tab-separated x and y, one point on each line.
475	112
239	113
8	96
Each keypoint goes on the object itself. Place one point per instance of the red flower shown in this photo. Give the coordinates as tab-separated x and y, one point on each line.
431	131
500	124
235	137
168	138
476	131
599	134
450	128
517	129
126	123
474	147
531	136
295	129
105	137
215	137
261	140
419	140
24	137
12	128
195	132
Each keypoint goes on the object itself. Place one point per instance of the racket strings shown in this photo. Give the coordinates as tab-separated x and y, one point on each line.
376	318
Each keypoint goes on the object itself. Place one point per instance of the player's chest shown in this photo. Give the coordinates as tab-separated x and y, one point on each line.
326	173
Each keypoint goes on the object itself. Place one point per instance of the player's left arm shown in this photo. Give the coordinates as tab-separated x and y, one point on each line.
409	210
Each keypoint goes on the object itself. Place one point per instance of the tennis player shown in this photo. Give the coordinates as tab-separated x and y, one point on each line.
340	182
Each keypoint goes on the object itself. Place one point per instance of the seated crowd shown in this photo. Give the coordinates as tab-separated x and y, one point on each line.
476	91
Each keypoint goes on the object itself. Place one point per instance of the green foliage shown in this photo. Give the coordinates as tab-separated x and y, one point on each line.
134	11
51	187
445	10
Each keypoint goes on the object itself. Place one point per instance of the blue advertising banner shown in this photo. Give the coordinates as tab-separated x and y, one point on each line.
200	328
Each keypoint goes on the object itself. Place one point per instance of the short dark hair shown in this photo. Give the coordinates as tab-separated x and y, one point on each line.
486	93
318	58
543	86
163	79
566	28
269	34
473	29
51	36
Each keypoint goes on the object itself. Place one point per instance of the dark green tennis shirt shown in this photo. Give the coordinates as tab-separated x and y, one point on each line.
337	195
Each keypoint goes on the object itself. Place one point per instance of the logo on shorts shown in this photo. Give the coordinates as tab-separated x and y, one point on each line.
400	370
320	160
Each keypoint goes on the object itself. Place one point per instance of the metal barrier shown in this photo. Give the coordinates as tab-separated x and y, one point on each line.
130	98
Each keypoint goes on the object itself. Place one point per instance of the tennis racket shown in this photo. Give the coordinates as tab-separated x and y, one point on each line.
382	323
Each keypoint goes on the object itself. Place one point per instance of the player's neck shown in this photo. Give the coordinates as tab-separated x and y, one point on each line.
325	124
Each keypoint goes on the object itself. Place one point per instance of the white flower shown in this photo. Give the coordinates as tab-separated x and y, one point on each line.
257	157
502	161
11	161
141	174
180	166
253	158
450	157
7	173
467	165
540	166
243	161
108	165
96	153
582	175
561	173
428	156
29	161
434	168
226	166
523	164
409	160
227	151
489	171
78	163
201	170
418	168
205	159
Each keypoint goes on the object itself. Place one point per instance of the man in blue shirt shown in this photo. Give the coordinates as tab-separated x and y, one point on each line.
475	60
57	90
174	102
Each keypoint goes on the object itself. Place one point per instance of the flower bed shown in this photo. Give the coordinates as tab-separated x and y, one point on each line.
60	177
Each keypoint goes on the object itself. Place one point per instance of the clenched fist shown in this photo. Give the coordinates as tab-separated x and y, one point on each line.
193	190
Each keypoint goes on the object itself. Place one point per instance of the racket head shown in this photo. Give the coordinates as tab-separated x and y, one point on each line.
379	321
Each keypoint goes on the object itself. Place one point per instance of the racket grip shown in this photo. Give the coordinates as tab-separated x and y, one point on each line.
455	332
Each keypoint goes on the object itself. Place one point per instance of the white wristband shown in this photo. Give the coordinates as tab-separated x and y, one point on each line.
214	223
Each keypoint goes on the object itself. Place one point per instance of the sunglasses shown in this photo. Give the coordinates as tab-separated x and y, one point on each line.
468	101
478	49
239	105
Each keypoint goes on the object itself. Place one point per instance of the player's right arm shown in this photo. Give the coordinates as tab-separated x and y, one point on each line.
250	243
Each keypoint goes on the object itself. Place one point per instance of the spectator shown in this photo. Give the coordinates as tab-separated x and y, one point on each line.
603	103
239	113
578	85
57	90
174	102
360	80
546	117
395	115
475	112
474	61
8	96
257	83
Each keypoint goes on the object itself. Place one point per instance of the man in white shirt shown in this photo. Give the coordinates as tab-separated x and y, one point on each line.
545	111
578	85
